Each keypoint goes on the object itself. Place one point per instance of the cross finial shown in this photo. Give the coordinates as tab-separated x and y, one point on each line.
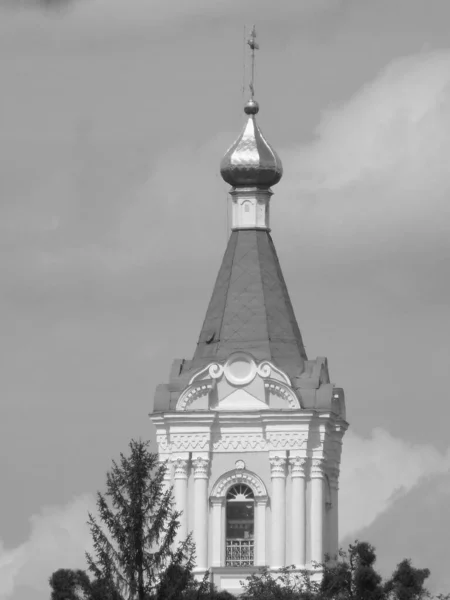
253	46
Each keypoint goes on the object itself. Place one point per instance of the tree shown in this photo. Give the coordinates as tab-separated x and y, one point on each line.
134	539
407	582
353	577
69	584
287	584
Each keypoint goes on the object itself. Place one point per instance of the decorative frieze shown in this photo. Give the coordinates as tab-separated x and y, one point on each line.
286	440
239	442
189	441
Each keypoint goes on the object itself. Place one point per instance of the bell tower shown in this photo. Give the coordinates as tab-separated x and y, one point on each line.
251	427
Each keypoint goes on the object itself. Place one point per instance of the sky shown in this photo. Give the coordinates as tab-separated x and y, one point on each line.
114	117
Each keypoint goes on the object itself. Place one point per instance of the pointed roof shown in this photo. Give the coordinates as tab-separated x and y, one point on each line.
250	308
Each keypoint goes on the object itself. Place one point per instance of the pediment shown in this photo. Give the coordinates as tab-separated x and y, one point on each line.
240	383
241	400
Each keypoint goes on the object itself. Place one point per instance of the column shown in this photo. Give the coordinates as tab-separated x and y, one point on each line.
201	513
334	516
260	531
181	466
216	533
278	510
317	510
298	510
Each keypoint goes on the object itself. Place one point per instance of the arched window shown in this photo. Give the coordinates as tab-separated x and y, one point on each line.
240	526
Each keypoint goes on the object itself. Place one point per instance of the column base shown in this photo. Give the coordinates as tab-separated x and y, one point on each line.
199	573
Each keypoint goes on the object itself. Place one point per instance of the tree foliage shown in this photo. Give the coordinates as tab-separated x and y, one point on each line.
352	577
135	533
69	584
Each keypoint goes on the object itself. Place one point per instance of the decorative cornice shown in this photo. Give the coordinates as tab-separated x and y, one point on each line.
201	467
298	466
277	466
224	482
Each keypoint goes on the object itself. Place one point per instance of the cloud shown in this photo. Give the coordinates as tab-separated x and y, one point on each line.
58	539
378	470
157	11
416	526
377	474
376	169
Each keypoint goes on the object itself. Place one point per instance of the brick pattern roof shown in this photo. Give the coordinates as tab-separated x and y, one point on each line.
250	308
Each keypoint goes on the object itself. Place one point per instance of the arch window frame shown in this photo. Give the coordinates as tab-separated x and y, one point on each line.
218	501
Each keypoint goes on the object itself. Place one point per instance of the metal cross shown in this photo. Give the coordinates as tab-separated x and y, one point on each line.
254	46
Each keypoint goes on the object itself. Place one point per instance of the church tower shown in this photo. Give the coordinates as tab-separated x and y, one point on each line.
252	429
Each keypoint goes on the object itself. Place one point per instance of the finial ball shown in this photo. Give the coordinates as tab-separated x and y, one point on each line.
251	108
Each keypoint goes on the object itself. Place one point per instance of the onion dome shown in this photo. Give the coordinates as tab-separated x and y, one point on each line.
251	161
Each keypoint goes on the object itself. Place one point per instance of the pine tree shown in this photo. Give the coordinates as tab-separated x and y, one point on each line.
134	538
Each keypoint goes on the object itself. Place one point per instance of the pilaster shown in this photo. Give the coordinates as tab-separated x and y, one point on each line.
278	508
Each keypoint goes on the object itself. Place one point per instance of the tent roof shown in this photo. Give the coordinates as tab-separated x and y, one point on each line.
250	308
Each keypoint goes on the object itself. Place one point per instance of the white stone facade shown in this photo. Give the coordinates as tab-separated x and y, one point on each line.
241	422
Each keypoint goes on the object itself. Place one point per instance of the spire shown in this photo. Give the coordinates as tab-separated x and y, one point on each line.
250	309
251	165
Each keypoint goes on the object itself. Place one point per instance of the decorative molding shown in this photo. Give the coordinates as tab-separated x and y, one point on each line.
224	482
191	394
239	442
298	466
181	466
266	368
277	466
250	442
286	440
317	468
201	467
239	464
189	441
163	442
280	390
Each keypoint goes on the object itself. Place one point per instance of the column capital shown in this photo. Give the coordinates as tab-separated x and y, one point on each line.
201	467
181	466
277	466
317	468
298	466
333	474
217	500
